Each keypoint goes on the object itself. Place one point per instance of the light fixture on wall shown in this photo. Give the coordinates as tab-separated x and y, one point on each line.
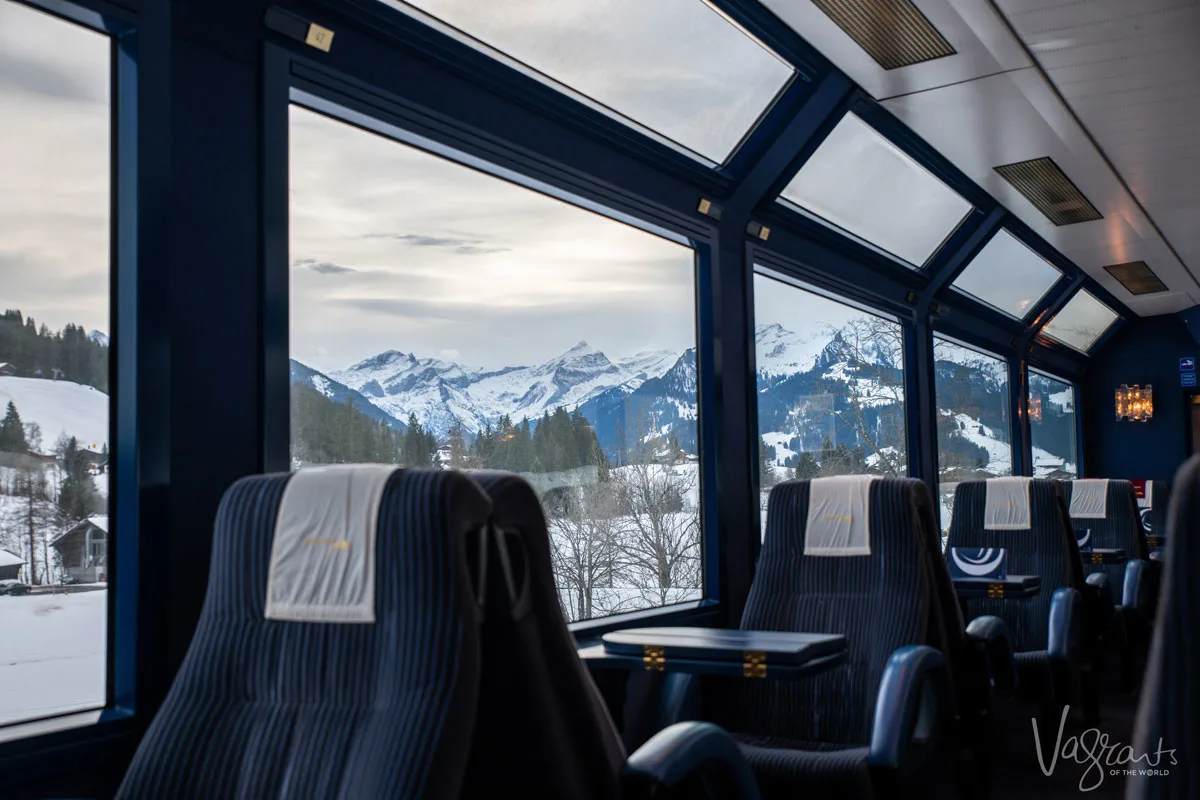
1135	403
1035	408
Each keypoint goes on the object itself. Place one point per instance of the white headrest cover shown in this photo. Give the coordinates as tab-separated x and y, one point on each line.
1089	498
1007	505
1148	500
323	555
839	516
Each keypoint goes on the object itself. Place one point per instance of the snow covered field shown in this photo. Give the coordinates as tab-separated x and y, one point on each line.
57	407
52	654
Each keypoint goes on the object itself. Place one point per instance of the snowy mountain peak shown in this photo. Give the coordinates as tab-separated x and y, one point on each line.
99	338
581	348
385	359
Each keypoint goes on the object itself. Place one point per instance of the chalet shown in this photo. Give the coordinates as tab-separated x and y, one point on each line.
10	566
83	549
7	369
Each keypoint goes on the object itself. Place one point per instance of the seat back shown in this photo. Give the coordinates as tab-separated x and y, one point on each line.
543	729
880	601
291	709
1153	499
1119	527
1170	703
1047	548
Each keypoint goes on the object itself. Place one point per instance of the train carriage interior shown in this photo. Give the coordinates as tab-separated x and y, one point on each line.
599	399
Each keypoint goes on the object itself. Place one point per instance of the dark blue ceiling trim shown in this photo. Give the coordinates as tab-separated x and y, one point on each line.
964	245
775	34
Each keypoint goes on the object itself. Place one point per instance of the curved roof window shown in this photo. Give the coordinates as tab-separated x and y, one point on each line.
1008	276
678	70
859	182
1081	322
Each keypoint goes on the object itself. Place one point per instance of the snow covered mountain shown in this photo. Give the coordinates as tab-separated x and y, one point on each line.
842	385
441	392
99	338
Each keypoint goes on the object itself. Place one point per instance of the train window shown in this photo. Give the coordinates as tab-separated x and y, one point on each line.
678	69
1081	322
859	182
443	317
1052	427
830	387
1008	276
973	427
55	213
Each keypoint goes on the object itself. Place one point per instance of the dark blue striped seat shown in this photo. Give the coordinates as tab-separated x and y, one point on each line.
1047	549
265	708
1154	518
1170	703
814	737
543	729
1120	528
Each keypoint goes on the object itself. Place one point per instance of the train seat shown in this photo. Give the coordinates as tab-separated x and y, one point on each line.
337	653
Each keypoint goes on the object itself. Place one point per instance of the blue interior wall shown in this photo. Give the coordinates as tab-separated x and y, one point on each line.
1145	350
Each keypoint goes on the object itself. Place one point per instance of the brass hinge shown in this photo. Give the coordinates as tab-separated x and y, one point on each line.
1097	558
995	590
754	664
653	657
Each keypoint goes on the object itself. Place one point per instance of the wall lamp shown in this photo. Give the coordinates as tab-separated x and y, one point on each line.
1035	407
1135	403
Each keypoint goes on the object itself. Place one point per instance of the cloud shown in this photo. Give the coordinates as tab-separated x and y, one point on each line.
461	246
449	354
323	267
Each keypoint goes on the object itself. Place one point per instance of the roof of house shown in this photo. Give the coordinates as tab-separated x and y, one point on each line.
7	559
99	521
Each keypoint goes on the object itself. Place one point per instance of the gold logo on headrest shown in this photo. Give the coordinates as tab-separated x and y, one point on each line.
336	544
835	518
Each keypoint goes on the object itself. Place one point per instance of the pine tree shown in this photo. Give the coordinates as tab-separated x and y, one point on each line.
807	467
12	432
77	498
766	464
458	446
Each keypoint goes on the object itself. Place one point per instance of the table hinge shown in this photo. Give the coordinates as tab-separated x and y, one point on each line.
754	664
995	590
653	657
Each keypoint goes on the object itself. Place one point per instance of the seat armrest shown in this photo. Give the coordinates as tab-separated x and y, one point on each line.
990	635
911	698
686	750
1065	625
1135	594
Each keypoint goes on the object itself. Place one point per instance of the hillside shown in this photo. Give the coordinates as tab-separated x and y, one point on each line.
58	407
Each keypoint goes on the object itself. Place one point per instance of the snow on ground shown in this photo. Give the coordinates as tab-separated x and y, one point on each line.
1064	399
58	406
52	654
1045	462
999	452
779	440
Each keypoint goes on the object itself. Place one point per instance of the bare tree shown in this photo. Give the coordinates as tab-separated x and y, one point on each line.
586	551
660	537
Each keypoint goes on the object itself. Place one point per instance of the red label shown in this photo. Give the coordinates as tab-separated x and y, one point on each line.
1139	488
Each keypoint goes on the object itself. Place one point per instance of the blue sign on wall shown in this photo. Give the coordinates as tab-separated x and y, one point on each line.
1187	379
1187	365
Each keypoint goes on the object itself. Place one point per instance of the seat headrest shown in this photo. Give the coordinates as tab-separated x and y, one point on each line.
1089	498
1143	490
322	566
839	516
1006	507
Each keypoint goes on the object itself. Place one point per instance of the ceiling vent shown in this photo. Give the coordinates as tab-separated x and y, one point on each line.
1050	191
1137	277
894	32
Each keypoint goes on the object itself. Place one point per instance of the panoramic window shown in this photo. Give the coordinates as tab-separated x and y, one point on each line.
1008	276
1082	321
442	317
973	427
1052	427
830	388
54	394
679	69
863	184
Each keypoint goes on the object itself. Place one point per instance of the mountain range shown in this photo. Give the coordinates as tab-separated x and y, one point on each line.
804	384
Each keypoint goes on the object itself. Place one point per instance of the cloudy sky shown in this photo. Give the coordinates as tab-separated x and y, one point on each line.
393	248
54	193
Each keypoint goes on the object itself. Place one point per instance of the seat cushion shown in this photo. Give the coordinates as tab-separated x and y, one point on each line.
788	769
